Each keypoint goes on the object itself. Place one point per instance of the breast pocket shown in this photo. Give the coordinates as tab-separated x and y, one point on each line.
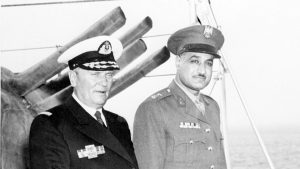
187	149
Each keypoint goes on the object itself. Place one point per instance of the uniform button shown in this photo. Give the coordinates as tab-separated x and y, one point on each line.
168	90
207	130
191	141
212	167
209	148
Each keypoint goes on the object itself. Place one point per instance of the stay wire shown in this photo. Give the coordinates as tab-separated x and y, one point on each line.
35	48
213	14
249	115
59	46
53	3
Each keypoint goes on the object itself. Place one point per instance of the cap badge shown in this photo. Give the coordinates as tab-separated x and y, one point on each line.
105	48
208	30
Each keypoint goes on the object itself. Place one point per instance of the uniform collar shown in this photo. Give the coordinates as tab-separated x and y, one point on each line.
201	98
187	103
184	89
179	94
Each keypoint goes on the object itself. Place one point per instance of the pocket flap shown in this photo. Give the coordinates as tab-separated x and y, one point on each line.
190	139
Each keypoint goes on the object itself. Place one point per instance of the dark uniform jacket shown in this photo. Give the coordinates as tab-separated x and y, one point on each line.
171	133
72	139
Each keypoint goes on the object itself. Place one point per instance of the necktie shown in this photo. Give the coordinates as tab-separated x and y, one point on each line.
200	106
99	119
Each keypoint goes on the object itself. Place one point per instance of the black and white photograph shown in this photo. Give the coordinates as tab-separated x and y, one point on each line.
150	84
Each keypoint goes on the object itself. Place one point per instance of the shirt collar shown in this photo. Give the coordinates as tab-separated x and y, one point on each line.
88	109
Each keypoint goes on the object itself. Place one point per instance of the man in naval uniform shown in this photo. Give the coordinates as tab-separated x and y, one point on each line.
80	133
179	127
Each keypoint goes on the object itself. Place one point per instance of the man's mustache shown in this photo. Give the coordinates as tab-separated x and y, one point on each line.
201	75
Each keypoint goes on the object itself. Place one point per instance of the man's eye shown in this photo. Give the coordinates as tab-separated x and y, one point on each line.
209	63
195	61
109	76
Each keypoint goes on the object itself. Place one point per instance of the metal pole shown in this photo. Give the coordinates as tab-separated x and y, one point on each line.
224	122
192	11
229	70
193	20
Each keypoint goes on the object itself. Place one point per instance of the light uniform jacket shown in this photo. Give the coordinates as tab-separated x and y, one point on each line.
72	139
171	133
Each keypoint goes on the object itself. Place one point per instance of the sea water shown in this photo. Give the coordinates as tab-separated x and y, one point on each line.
283	147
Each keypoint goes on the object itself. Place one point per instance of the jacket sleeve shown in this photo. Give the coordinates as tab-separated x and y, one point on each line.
222	158
47	147
222	155
149	136
126	135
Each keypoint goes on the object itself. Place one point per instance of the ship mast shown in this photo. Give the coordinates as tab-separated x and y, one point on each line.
225	68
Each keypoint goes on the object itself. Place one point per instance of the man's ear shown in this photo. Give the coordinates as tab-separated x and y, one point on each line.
178	61
72	77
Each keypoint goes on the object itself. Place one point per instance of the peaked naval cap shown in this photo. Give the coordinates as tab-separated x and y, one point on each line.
197	38
96	54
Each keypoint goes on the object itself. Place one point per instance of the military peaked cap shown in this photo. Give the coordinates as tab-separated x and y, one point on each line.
197	38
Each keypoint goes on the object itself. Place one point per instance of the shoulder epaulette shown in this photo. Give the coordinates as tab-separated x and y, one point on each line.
208	99
161	94
52	111
45	113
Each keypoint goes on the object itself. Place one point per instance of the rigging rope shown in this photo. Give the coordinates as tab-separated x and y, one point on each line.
228	69
35	48
52	3
59	46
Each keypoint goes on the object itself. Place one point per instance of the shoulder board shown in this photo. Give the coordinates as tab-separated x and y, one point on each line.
161	94
45	113
208	99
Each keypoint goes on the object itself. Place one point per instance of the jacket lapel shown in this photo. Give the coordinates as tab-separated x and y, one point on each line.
211	112
91	128
192	110
120	149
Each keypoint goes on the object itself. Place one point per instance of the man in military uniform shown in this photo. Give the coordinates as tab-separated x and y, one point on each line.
179	127
80	133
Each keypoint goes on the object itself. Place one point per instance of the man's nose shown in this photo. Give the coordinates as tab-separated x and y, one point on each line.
102	81
201	68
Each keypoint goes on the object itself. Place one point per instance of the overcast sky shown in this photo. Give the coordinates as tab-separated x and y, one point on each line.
261	44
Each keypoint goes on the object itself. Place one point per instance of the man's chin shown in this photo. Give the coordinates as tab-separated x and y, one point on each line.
199	87
101	99
100	103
